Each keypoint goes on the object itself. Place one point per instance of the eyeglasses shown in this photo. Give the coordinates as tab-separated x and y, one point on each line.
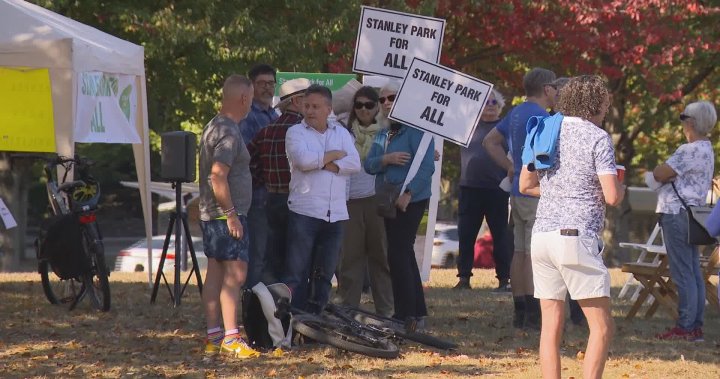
491	102
367	105
684	117
265	83
390	98
554	86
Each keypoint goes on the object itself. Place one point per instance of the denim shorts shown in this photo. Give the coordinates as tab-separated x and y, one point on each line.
220	245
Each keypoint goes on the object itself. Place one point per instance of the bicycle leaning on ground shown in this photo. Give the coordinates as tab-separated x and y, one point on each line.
359	331
70	251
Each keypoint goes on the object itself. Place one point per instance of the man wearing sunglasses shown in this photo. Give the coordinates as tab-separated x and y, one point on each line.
540	95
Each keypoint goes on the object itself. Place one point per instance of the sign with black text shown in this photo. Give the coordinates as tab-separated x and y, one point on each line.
441	101
388	40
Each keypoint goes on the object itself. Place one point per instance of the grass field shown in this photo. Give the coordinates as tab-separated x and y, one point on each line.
137	339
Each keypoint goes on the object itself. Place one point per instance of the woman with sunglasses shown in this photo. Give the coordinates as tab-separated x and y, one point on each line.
689	170
389	159
364	245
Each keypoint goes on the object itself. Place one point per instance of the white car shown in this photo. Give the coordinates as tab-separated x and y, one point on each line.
445	246
134	257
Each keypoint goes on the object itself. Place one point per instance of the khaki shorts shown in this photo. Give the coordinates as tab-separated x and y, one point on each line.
563	264
522	211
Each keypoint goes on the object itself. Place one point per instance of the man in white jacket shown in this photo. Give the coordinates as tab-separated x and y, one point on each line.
322	157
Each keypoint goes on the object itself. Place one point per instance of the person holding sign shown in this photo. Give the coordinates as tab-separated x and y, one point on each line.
540	96
322	156
566	243
364	242
390	158
482	198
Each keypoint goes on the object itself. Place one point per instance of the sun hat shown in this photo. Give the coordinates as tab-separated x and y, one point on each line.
292	88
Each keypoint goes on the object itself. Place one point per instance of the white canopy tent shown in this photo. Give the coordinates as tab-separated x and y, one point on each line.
34	37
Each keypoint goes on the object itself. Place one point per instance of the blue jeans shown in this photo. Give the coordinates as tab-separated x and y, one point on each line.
313	247
257	218
685	270
277	218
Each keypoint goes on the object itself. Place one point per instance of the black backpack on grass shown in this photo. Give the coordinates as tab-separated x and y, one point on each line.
266	326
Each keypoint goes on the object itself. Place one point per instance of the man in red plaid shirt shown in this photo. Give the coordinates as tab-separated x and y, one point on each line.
269	165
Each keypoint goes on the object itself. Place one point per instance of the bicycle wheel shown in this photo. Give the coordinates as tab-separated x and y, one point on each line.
398	327
58	291
343	336
97	280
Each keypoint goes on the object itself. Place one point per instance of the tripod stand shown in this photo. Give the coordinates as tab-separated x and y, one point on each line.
178	220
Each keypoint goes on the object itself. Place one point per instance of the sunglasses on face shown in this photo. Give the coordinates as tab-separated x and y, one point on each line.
390	98
367	105
684	117
491	102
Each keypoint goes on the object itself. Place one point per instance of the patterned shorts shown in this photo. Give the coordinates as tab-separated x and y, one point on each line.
220	245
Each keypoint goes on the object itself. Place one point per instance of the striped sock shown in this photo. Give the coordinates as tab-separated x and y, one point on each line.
229	334
215	335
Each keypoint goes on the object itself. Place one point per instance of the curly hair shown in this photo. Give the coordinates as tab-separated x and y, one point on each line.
583	96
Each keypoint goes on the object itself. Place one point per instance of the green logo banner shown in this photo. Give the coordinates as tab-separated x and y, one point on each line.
332	81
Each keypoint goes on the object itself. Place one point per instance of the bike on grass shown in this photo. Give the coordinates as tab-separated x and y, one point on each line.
70	253
356	330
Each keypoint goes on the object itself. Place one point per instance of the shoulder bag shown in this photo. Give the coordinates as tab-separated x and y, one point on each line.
697	215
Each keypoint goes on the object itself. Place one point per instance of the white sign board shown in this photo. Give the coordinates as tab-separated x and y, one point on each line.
388	40
106	108
441	101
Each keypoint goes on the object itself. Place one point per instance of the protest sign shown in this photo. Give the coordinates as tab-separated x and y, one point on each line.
387	41
26	111
106	108
441	101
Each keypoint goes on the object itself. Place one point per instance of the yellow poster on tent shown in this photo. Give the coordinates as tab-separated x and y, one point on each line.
26	111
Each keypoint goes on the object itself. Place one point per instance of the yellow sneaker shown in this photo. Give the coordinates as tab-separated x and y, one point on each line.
236	347
212	348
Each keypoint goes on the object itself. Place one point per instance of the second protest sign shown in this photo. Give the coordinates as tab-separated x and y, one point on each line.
441	101
387	41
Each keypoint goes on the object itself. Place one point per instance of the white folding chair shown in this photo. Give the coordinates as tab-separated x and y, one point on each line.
648	250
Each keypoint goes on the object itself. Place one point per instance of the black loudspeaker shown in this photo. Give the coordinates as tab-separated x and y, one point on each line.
177	156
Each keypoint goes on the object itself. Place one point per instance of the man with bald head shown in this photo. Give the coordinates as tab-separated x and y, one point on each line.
225	197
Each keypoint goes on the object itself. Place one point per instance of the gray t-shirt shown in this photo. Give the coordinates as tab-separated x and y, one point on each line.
570	192
221	142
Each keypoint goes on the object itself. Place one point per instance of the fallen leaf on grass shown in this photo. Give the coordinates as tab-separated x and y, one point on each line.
580	355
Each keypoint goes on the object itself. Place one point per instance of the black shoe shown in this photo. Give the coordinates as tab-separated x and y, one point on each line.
504	287
463	284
